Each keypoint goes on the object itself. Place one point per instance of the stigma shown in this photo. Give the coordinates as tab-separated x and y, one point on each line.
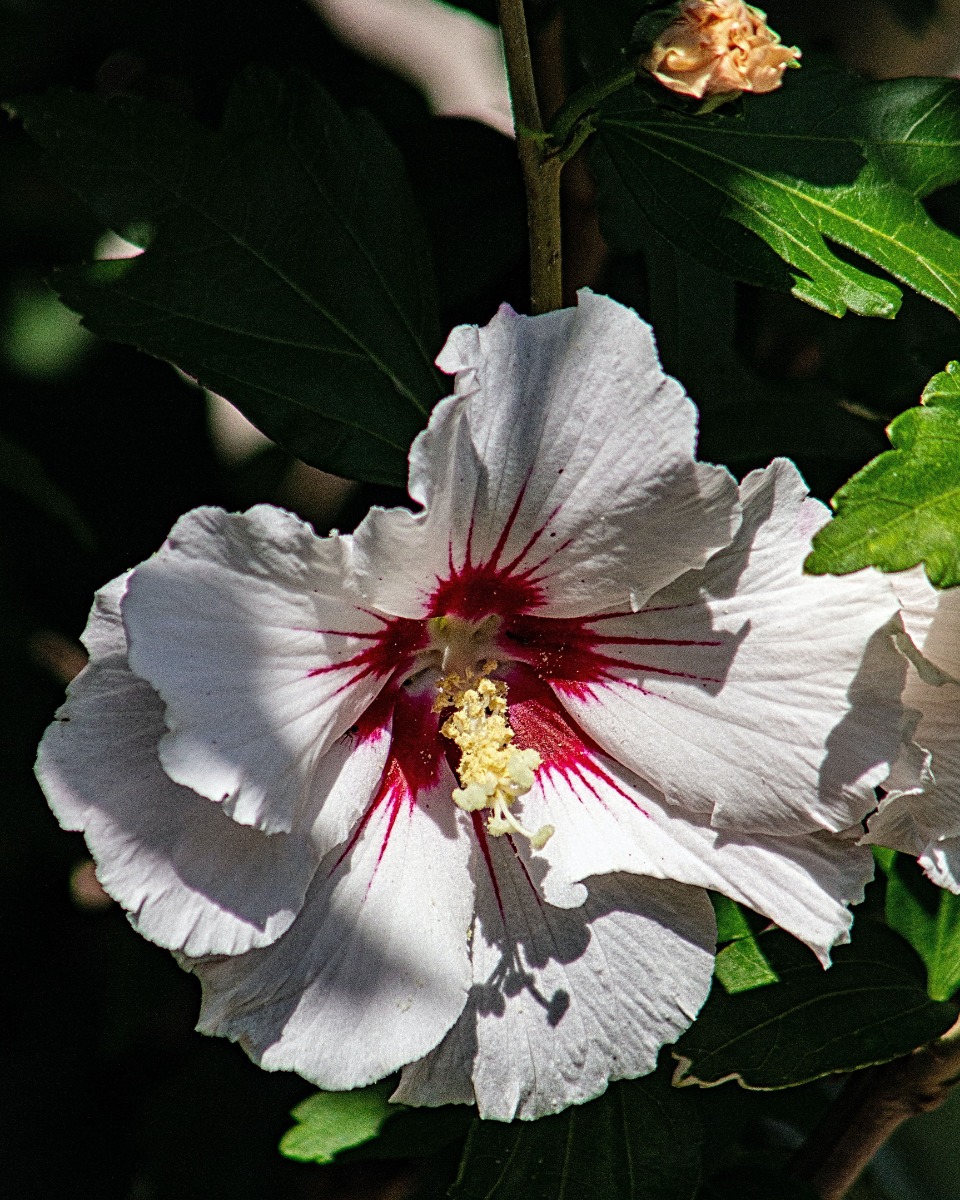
493	773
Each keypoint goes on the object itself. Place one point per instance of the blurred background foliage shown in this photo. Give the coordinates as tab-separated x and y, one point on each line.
105	1090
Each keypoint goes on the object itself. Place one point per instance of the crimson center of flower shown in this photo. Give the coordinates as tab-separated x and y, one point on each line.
492	772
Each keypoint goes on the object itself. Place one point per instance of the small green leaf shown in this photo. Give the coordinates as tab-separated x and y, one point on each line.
333	1121
869	1007
742	966
929	918
763	190
903	508
638	1141
286	268
732	919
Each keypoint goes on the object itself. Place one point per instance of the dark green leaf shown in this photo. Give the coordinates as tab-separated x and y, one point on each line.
24	474
639	1141
761	190
416	1132
869	1007
929	918
904	507
756	1183
744	418
286	267
333	1121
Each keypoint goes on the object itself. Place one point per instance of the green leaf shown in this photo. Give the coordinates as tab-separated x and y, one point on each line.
745	419
904	507
363	1124
742	966
869	1007
286	268
638	1141
762	190
756	1183
333	1121
929	918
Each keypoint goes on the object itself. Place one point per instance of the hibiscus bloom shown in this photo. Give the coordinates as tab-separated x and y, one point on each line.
921	813
446	795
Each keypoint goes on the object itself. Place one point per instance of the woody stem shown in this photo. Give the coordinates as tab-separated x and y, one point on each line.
541	168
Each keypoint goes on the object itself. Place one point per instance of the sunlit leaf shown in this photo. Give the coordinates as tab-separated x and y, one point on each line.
765	189
903	508
333	1121
929	918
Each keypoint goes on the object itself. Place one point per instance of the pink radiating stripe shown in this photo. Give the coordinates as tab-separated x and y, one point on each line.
412	767
390	652
572	655
540	723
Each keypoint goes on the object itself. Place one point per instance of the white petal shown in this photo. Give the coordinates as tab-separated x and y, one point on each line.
561	474
191	878
375	970
245	625
607	819
932	619
565	1000
923	806
781	713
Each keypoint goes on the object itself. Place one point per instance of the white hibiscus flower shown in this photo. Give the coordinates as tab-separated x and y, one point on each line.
445	795
921	814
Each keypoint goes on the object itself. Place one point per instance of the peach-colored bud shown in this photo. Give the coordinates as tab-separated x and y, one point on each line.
716	47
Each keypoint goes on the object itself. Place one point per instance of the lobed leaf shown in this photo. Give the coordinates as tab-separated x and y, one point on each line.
869	1007
765	190
286	267
903	508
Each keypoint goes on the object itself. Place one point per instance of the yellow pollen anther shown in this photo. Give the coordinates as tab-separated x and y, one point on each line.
492	772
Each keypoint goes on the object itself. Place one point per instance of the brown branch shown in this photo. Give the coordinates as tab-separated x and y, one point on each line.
871	1107
541	170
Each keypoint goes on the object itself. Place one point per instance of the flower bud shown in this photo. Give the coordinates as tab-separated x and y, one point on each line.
719	47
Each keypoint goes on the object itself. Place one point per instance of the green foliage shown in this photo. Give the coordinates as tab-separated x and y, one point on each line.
42	339
756	1183
333	1121
929	918
904	507
314	314
639	1141
362	1124
745	418
761	190
869	1007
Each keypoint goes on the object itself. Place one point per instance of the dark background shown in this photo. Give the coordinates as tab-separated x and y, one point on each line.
105	1090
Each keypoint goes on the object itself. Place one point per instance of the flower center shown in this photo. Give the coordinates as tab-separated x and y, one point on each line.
492	772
